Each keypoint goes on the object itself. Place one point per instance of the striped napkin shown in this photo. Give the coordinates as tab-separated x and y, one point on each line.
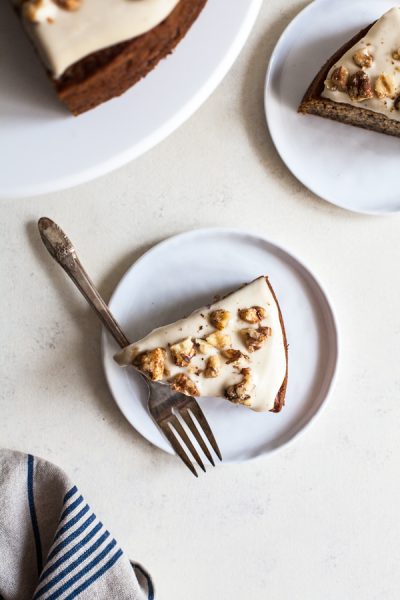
52	545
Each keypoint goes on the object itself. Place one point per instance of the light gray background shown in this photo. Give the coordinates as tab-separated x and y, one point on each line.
318	520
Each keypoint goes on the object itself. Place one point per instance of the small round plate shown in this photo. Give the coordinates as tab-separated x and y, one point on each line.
44	149
186	272
349	167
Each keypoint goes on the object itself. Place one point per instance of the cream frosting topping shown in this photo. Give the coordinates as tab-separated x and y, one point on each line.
381	43
267	364
65	36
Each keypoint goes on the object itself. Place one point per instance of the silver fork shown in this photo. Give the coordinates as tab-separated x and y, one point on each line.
164	405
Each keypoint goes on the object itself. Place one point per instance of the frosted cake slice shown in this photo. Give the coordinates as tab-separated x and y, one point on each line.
360	84
235	348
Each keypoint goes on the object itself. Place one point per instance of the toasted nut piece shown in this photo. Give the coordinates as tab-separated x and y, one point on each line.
69	4
183	352
255	314
220	318
338	80
396	54
359	86
233	355
213	366
385	86
182	383
363	58
29	12
36	11
203	347
397	103
152	363
255	338
219	340
240	393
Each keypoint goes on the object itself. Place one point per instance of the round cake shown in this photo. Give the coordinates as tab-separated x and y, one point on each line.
93	53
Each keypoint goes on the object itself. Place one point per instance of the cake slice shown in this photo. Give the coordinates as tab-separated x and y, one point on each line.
360	84
94	50
235	348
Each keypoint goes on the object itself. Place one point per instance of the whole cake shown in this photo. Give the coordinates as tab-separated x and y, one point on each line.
94	50
235	348
360	84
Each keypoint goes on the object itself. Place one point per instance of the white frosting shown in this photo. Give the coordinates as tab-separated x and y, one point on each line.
381	41
268	364
69	36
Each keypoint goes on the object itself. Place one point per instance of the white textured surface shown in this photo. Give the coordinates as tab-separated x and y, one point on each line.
318	520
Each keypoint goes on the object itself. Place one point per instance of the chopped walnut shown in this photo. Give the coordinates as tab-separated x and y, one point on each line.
203	347
359	87
152	363
338	80
183	352
385	86
254	339
396	54
240	393
219	340
30	10
220	318
69	4
255	314
183	384
212	367
37	11
233	355
363	58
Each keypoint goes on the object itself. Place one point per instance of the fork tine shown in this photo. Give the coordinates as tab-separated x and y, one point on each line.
173	420
198	413
173	440
187	417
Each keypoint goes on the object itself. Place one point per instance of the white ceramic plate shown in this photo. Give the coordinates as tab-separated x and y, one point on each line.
43	148
184	273
347	166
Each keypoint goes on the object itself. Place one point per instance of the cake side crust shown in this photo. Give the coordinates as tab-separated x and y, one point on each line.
280	398
108	73
313	103
251	304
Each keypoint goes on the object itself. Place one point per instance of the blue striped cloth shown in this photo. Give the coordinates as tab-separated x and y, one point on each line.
52	545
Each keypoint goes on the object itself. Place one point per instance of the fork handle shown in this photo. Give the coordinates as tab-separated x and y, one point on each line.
62	250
